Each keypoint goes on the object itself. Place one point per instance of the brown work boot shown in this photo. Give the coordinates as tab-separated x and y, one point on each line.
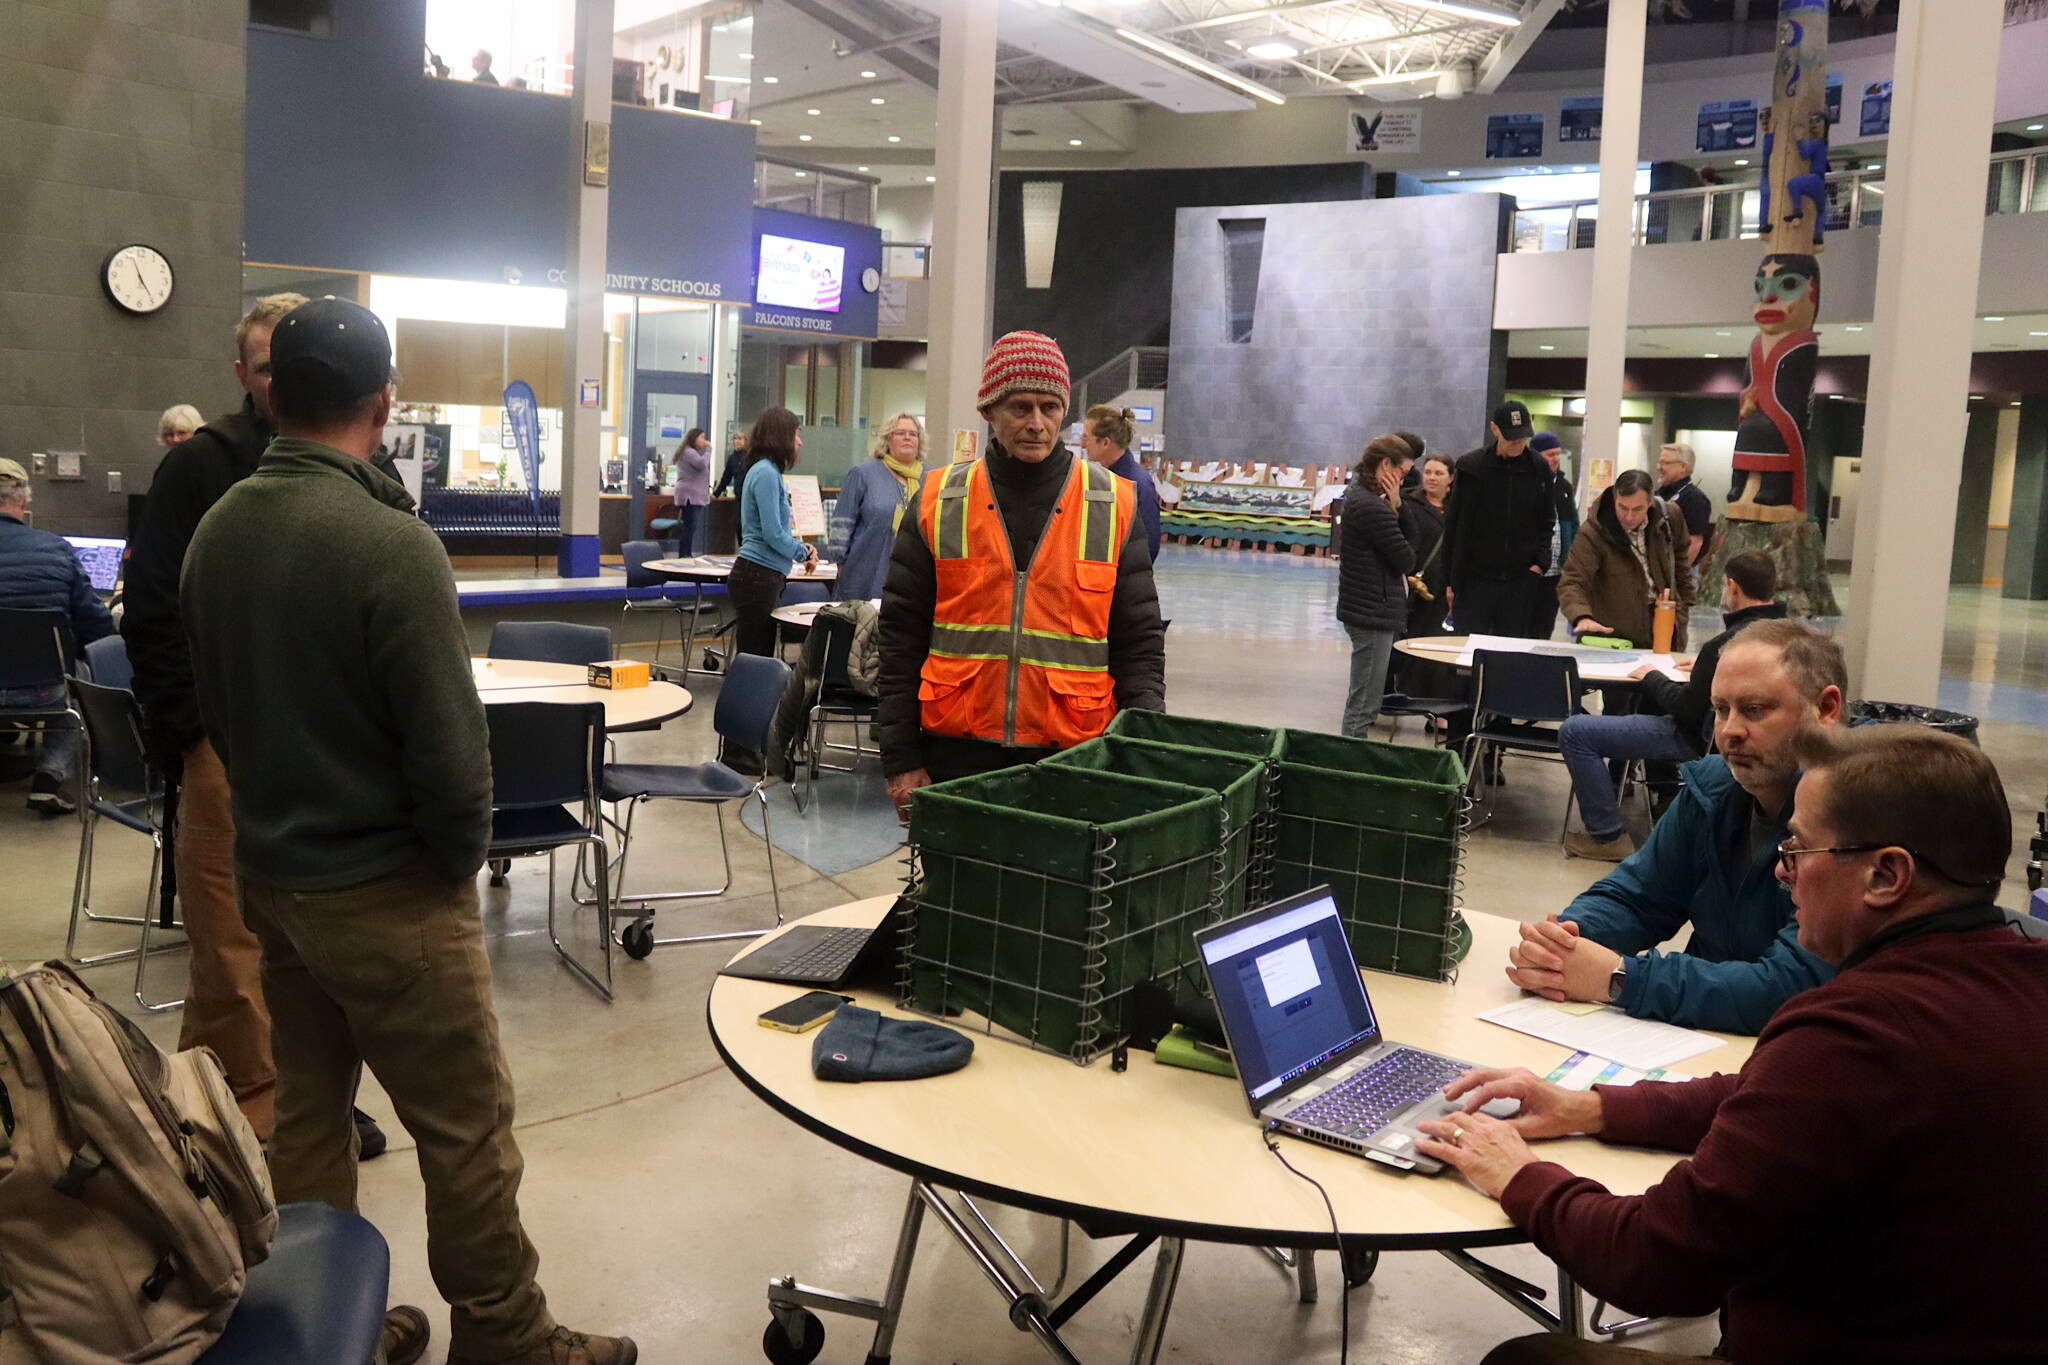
405	1336
564	1347
1579	844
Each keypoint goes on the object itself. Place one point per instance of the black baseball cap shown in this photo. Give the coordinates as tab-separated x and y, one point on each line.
329	350
1511	417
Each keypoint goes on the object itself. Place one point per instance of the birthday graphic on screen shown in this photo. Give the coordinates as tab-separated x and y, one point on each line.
798	274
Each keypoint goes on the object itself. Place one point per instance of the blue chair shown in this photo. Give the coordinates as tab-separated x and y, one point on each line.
319	1296
36	650
647	591
124	786
550	642
1518	701
106	659
747	700
546	757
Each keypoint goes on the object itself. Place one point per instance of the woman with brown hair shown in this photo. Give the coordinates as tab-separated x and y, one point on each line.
768	539
1372	575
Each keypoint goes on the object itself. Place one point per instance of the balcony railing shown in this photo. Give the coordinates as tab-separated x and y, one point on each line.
2018	183
820	191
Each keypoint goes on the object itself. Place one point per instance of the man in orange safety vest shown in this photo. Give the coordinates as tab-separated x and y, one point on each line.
1019	613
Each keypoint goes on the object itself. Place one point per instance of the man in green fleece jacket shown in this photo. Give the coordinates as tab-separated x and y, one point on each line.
334	681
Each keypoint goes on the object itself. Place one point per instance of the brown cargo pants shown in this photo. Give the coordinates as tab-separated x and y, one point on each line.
392	973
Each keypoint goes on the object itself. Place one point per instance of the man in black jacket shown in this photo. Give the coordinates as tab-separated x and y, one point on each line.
1674	724
224	1007
1024	395
1497	532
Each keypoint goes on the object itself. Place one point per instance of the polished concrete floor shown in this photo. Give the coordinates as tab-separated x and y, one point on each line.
663	1196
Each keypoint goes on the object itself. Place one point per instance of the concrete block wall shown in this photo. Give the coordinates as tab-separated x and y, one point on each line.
1372	316
121	121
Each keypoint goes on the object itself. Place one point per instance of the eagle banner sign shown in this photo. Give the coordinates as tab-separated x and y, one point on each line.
1386	130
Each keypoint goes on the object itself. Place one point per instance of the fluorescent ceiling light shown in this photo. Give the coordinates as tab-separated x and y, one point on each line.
1073	142
1713	355
860	168
867	75
1875	166
894	138
1273	51
756	122
1453	172
732	80
803	175
1189	60
1473	12
1397	78
931	180
803	137
1724	334
1546	347
814	112
1994	317
1852	329
2038	334
876	99
771	80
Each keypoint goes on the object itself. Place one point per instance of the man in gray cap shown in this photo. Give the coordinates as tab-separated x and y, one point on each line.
335	683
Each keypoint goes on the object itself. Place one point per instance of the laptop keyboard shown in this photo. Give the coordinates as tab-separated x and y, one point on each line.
1362	1103
828	957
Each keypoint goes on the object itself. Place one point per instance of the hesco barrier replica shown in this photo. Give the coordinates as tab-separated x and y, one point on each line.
1046	898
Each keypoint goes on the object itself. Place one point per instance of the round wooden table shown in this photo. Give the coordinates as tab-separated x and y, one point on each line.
503	680
801	614
707	569
1163	1152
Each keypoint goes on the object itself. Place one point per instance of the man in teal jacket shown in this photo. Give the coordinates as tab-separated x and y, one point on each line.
1711	861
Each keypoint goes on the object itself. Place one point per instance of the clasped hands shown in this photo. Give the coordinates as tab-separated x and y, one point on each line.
1554	962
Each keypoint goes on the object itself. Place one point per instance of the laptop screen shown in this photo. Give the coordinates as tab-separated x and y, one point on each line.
101	558
1288	990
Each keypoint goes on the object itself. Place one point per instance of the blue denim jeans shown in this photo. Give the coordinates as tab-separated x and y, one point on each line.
60	738
1371	651
1589	741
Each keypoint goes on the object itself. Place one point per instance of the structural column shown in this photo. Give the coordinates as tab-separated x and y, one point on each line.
590	140
1928	255
1621	122
960	224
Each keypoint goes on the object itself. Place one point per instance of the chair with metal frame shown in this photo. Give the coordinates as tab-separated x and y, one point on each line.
36	650
124	786
747	700
648	592
545	757
1518	701
837	703
107	662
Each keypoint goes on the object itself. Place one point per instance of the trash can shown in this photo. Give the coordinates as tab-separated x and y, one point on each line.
1905	713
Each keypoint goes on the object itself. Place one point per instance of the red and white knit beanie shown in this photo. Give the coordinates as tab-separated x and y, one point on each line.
1023	362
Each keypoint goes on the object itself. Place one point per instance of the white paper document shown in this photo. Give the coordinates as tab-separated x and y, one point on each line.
1643	1044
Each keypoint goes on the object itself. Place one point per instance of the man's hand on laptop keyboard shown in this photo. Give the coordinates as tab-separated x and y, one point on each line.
1547	1110
1486	1151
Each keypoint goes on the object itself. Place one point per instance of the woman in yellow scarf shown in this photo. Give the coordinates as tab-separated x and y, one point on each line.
872	500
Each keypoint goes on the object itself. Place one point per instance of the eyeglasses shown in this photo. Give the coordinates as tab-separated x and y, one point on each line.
1787	868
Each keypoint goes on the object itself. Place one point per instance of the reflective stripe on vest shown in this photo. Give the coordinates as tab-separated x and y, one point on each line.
1022	658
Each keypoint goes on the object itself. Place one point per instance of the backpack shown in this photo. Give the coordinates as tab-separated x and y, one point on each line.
133	1194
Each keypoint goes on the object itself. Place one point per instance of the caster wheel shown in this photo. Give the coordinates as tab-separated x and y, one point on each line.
1358	1266
711	662
638	941
780	1350
499	867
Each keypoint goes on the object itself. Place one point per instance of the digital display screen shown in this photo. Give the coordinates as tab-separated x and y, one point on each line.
100	558
799	274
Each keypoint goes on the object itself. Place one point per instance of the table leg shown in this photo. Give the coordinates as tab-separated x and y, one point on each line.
690	638
789	1301
1523	1296
1029	1311
1158	1302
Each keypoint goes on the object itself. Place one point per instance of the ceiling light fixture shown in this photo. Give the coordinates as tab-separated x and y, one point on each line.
803	137
771	80
860	168
1994	317
1453	172
1273	51
1875	166
1395	78
2038	334
1724	334
1545	346
876	99
894	138
1742	161
868	75
1713	355
2036	127
1189	60
746	56
931	180
1852	329
1073	142
1473	12
756	122
731	80
803	175
814	112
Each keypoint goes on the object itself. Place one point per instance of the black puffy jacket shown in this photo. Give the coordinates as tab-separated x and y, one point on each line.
1374	562
39	572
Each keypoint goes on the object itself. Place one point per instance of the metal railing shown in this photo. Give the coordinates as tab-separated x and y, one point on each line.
1140	367
2018	183
820	191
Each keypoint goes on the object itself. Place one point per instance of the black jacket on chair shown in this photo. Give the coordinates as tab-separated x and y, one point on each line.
1374	564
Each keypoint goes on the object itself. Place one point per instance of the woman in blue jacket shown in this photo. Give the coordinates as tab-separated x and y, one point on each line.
768	540
873	499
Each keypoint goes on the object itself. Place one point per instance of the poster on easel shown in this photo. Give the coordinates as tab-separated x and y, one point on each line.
407	443
806	504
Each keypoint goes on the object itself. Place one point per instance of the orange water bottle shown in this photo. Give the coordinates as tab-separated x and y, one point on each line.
1663	624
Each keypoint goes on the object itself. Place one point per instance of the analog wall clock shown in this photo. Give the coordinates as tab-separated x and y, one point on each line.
137	278
871	279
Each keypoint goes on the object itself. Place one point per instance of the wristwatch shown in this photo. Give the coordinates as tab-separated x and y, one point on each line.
1616	979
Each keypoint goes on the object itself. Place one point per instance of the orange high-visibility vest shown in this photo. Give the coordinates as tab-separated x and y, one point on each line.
1021	656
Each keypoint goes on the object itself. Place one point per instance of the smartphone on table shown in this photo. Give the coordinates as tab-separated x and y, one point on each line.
804	1013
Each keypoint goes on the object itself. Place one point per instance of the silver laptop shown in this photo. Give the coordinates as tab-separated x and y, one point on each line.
1307	1045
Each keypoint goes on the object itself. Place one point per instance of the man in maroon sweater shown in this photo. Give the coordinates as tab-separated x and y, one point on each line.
1869	1187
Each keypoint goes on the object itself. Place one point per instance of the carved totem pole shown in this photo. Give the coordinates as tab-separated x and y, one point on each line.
1767	504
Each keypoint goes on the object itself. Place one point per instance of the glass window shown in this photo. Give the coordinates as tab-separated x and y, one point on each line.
662	56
